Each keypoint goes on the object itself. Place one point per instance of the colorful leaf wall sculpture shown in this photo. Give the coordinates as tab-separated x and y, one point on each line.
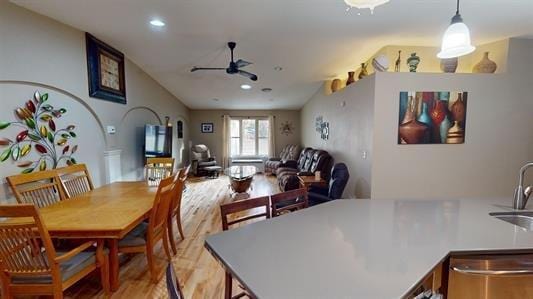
39	132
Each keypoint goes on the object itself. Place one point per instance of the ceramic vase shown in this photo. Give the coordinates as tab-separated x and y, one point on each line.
439	111
363	72
351	78
456	134
381	63
444	127
424	115
449	65
413	132
413	62
458	109
485	65
336	85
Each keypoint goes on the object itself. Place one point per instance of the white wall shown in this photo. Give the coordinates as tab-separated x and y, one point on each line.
37	53
214	140
350	133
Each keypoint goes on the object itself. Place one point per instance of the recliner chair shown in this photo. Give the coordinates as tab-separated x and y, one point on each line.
201	158
337	183
310	161
289	153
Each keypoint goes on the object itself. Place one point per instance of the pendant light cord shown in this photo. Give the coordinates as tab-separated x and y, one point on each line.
457	11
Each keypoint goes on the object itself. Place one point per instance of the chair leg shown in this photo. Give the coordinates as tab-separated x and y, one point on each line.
58	293
150	259
170	231
6	292
165	245
229	282
178	221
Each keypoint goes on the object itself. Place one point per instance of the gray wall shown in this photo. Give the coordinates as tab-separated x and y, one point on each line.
37	53
214	140
350	116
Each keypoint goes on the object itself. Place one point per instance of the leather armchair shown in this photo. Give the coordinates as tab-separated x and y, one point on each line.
310	160
201	158
337	183
288	155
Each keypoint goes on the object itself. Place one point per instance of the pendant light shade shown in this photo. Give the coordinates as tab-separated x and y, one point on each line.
371	4
456	41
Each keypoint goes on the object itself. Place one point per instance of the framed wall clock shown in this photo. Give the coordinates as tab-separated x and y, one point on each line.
105	67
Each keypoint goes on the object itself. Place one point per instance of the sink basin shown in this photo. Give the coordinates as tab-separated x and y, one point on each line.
522	219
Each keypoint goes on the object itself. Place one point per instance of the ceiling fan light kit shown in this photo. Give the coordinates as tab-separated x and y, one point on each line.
370	4
233	68
456	40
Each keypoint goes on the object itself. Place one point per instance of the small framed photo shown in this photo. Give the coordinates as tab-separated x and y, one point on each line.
207	127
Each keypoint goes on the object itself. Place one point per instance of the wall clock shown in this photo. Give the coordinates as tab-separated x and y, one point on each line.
105	67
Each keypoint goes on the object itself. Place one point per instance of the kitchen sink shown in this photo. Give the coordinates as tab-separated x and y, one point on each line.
522	219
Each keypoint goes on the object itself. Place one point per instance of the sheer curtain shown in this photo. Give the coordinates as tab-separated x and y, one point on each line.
271	137
225	141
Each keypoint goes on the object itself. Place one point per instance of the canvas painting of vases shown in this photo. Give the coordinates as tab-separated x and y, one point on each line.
432	117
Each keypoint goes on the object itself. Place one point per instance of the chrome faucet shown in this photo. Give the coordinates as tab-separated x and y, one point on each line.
521	195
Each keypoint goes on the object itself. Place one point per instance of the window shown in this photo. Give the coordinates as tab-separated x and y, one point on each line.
249	137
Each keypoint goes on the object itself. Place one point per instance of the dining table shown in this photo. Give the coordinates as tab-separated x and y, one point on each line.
106	213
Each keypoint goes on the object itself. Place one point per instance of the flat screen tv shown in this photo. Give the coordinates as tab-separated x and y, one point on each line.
157	141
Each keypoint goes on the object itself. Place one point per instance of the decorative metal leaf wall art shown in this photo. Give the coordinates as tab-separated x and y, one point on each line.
37	121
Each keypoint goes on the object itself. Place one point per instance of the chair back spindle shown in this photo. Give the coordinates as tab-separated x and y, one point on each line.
75	180
41	188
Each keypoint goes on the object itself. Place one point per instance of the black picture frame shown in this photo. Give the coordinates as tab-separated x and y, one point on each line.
95	48
179	129
207	127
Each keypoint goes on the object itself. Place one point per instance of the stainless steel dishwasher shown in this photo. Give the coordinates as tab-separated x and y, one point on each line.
495	276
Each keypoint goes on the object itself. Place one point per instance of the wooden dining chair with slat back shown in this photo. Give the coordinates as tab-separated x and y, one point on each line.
75	180
289	201
239	207
41	188
29	263
157	169
144	237
175	207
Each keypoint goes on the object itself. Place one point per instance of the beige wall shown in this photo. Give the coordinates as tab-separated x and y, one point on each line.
214	140
350	116
499	134
37	53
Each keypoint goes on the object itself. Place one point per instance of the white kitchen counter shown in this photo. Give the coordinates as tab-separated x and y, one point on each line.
361	248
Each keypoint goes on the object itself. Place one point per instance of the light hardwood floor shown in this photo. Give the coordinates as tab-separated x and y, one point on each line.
199	274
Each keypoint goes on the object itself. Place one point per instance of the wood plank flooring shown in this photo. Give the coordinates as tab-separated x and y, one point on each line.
199	274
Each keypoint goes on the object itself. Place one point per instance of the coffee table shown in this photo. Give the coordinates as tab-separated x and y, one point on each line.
240	177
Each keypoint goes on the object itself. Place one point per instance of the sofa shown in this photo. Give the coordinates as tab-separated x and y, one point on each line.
337	182
289	153
201	158
309	161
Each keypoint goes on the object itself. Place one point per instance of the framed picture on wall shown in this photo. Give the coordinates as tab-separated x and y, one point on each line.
105	68
179	129
207	128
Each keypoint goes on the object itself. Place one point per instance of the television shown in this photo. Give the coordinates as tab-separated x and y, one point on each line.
157	141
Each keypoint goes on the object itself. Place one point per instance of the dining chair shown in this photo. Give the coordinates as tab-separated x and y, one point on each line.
75	180
173	285
29	263
144	237
240	207
41	188
289	201
157	169
175	207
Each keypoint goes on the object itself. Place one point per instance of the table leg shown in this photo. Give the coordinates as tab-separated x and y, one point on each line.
113	264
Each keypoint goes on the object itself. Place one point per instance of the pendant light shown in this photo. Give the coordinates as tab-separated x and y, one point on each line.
456	41
360	4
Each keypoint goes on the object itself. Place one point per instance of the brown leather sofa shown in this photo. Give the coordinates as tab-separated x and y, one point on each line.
289	153
309	161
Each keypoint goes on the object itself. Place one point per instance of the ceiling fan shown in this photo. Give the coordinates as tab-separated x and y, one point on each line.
234	66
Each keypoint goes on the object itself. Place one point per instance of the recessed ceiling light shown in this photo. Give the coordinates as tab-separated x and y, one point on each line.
278	68
246	86
157	23
266	89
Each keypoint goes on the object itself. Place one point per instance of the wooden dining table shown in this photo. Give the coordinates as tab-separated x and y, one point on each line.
106	213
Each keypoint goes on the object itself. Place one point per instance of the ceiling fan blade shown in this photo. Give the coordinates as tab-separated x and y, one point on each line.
242	63
248	75
194	69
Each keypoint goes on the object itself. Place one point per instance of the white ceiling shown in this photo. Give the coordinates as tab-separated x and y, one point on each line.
312	40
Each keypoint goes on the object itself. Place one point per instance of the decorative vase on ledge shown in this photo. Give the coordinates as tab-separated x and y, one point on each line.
363	72
449	65
351	78
485	65
413	62
335	85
